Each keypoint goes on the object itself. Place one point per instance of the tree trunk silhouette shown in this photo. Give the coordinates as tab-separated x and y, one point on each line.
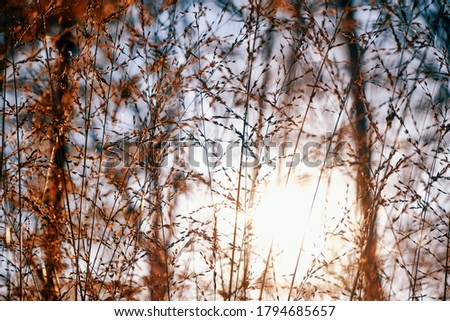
368	267
159	273
56	182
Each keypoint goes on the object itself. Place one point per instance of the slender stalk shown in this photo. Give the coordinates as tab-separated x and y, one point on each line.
315	87
102	142
251	49
423	215
266	270
19	171
208	165
89	94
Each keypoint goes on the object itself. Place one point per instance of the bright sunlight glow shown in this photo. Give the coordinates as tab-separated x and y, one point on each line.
293	216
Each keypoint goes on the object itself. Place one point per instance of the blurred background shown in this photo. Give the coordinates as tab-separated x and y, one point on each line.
224	150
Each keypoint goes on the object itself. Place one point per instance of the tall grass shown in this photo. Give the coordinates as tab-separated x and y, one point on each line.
147	147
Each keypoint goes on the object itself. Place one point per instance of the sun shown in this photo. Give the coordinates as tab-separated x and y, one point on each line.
282	216
298	215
